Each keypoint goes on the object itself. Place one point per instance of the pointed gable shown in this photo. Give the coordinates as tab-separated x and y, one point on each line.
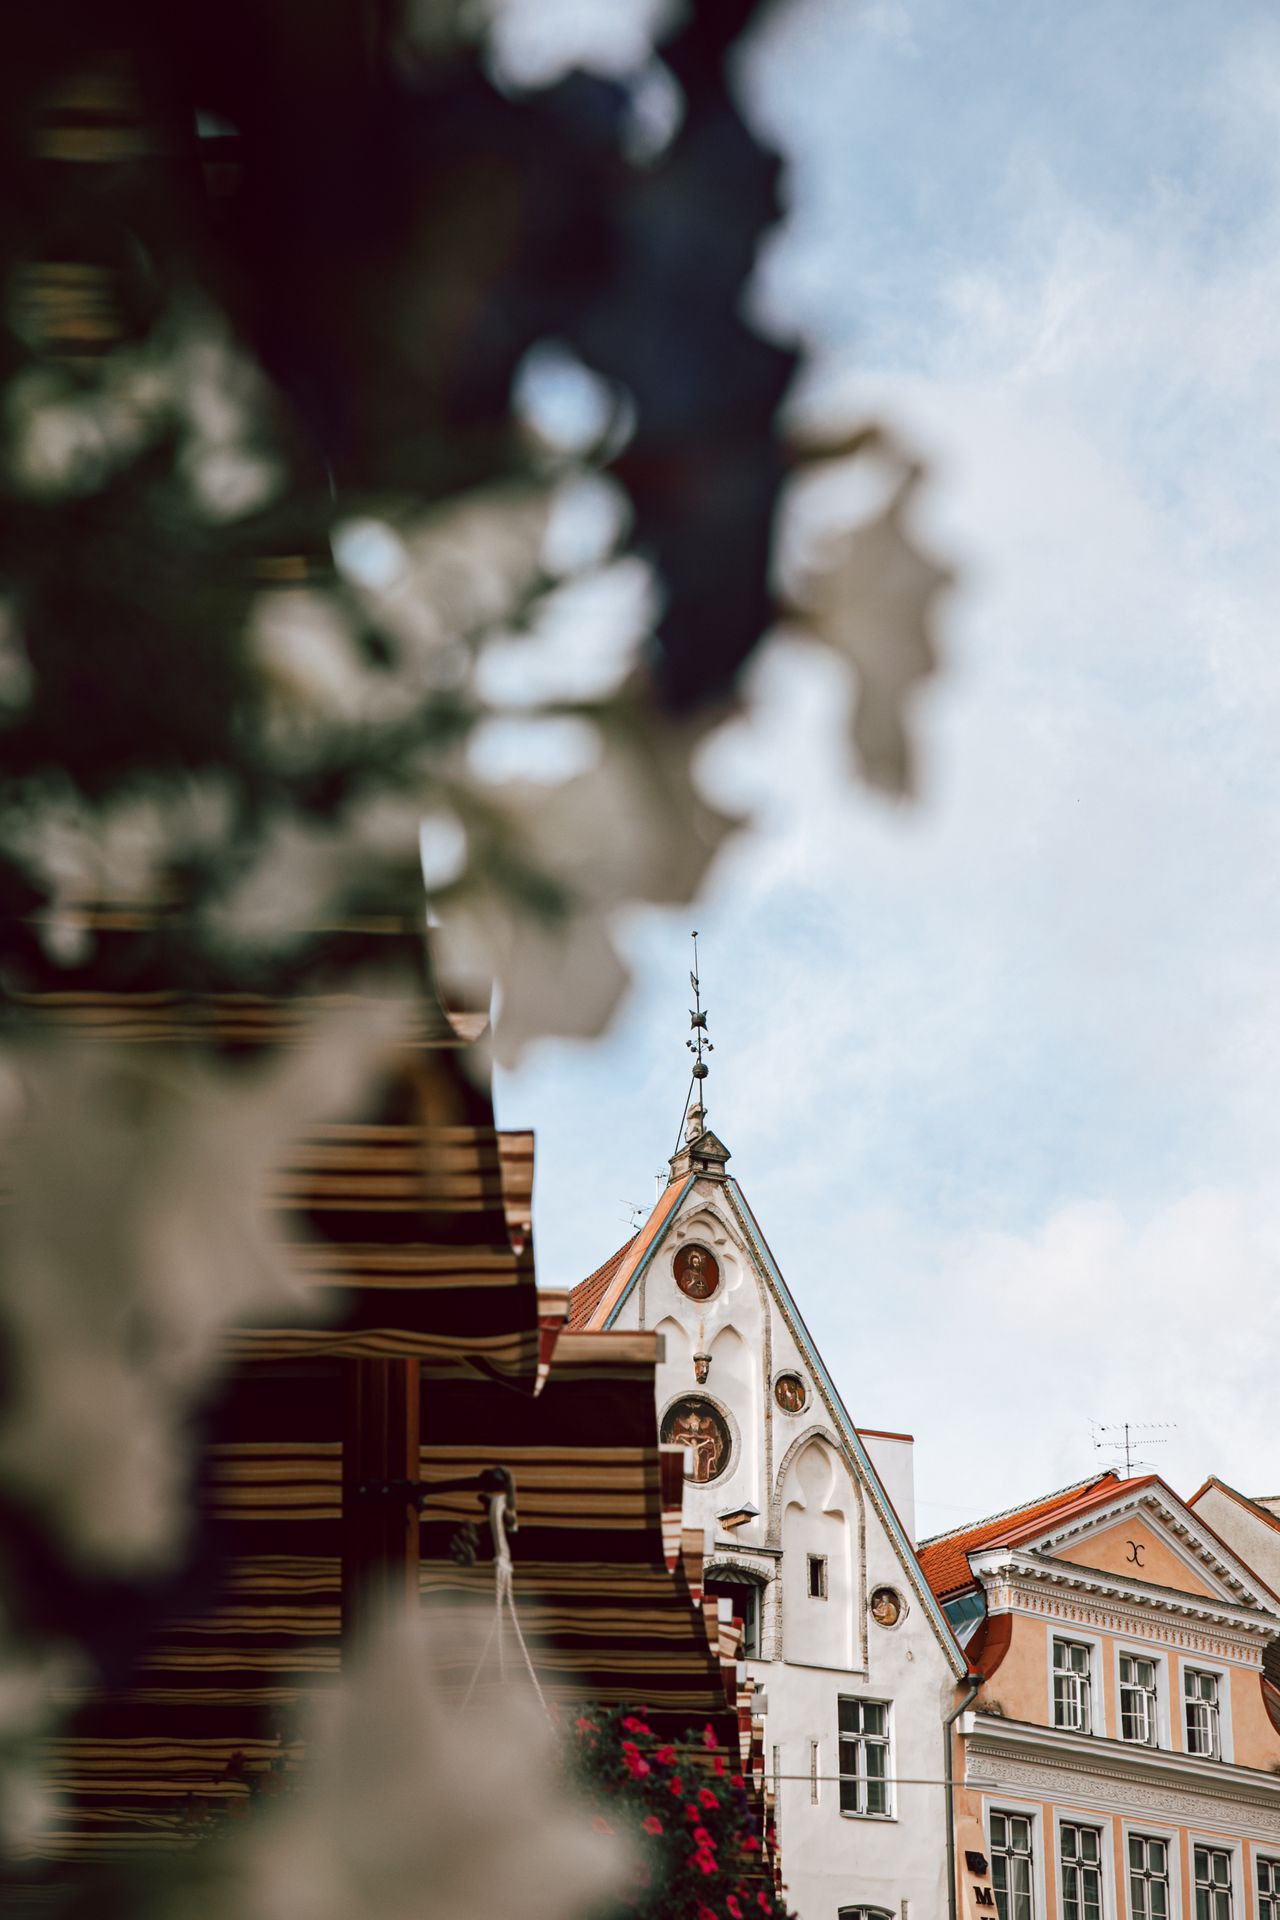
1095	1526
1139	1549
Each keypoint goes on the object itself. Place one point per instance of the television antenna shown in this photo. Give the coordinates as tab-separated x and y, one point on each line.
634	1212
1126	1438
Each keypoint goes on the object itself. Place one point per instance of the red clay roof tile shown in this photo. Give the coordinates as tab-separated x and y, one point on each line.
587	1295
945	1559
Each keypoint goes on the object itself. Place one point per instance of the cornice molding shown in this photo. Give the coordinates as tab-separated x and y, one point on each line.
1215	1558
1108	1774
1023	1571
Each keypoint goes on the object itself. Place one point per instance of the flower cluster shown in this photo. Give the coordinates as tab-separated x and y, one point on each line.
703	1848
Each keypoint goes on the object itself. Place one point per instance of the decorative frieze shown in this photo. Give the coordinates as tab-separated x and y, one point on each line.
1106	1789
1014	1596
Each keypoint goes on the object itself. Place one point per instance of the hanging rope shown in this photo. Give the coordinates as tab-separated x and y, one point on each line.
504	1599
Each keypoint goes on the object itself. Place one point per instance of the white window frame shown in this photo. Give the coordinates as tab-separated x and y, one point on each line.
1097	1693
1104	1826
1271	1856
891	1798
1172	1837
1032	1811
1241	1890
1191	1663
1160	1661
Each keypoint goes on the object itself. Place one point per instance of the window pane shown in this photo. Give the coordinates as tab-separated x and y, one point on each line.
873	1717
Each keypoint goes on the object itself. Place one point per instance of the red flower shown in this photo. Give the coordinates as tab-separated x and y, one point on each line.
736	1780
665	1755
584	1726
733	1907
675	1785
701	1838
692	1812
762	1900
719	1765
706	1798
705	1912
751	1844
653	1824
704	1862
633	1725
709	1736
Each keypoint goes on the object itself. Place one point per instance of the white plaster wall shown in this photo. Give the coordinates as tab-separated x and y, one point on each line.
793	1468
893	1457
1257	1544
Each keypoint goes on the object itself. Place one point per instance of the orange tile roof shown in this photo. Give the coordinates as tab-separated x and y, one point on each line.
944	1560
587	1295
596	1297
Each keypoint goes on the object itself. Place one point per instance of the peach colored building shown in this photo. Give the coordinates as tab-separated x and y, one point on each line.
1115	1752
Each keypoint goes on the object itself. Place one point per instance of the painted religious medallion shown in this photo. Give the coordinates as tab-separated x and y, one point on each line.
697	1274
789	1392
886	1606
695	1424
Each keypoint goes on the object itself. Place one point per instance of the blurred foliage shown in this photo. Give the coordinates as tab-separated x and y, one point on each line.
355	400
700	1851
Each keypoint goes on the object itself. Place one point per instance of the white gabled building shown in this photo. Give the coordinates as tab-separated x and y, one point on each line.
809	1526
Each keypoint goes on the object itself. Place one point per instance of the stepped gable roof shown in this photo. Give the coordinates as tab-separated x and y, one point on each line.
945	1558
587	1295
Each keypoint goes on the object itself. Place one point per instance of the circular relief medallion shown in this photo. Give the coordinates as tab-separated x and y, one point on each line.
789	1392
697	1274
694	1423
886	1606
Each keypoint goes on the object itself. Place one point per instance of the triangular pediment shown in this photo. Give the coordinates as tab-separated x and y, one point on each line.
1145	1533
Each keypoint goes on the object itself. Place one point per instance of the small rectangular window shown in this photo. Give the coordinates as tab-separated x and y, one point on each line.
1072	1685
1011	1865
1138	1699
864	1757
1081	1860
1204	1727
817	1576
1268	1888
1213	1883
1149	1877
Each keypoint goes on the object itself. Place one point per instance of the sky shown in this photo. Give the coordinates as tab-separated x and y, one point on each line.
999	1070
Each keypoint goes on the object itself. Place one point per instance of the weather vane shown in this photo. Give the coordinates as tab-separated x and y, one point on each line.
701	1042
699	1046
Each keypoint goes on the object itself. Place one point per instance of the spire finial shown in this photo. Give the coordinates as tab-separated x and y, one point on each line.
694	1119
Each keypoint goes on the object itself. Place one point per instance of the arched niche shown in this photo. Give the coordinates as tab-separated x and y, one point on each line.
743	1588
819	1514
